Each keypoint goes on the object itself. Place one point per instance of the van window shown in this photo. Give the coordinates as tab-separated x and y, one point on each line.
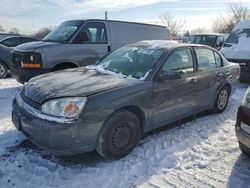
206	59
64	32
220	40
180	61
96	33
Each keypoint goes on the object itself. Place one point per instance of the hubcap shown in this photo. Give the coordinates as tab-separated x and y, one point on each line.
121	136
2	70
222	100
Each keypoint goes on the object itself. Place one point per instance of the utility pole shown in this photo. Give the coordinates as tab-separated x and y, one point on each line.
106	15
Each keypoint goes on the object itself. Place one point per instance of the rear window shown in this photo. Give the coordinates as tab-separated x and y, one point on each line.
209	40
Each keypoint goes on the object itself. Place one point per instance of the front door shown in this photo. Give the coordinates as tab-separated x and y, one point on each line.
175	97
96	44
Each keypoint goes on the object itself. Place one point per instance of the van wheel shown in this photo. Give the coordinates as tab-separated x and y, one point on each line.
119	135
244	149
3	70
221	101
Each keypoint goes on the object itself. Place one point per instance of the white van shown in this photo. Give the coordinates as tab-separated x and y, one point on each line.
237	48
79	43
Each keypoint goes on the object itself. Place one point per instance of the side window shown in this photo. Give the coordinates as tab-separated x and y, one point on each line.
96	33
12	42
24	40
220	40
180	61
218	59
206	59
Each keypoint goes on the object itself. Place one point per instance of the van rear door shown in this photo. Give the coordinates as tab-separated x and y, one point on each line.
92	42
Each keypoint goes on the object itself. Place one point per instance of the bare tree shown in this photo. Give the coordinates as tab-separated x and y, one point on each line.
174	24
42	32
236	13
14	30
2	29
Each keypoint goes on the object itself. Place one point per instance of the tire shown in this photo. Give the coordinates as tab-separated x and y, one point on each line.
3	70
244	149
119	135
221	101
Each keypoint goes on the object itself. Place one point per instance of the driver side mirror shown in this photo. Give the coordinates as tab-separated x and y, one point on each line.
168	75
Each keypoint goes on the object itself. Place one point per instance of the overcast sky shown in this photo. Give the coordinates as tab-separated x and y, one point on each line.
31	15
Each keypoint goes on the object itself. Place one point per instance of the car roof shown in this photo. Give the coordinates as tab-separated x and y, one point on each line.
103	20
207	34
164	44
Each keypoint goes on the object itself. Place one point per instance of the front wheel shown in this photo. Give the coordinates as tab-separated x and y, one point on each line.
119	135
221	101
3	70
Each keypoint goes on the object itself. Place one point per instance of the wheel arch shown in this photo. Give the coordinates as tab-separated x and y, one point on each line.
4	63
138	112
228	85
60	66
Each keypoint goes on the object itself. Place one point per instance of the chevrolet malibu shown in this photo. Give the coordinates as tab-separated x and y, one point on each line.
109	106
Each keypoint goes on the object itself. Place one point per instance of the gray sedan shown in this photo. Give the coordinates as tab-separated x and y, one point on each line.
109	106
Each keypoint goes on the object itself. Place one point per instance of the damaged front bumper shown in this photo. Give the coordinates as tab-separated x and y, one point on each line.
63	138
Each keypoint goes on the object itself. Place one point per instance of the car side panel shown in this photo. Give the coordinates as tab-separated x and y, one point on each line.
62	53
136	95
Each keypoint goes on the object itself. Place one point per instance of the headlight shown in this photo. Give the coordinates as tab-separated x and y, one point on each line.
64	107
246	99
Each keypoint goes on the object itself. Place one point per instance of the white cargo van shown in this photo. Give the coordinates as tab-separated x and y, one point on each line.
237	48
79	43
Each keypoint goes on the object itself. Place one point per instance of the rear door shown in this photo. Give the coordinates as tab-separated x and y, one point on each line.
175	98
97	44
209	74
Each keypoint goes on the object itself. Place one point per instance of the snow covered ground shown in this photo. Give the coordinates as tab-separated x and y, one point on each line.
200	153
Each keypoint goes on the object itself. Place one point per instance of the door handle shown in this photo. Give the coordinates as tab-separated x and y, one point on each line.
109	48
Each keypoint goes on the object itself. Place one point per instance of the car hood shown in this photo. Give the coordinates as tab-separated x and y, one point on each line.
72	83
32	46
5	52
234	52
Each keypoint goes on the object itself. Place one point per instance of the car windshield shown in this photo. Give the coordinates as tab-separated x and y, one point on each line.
63	32
235	36
130	61
209	40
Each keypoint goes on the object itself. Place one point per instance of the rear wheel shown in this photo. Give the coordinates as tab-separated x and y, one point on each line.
221	100
3	70
119	135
